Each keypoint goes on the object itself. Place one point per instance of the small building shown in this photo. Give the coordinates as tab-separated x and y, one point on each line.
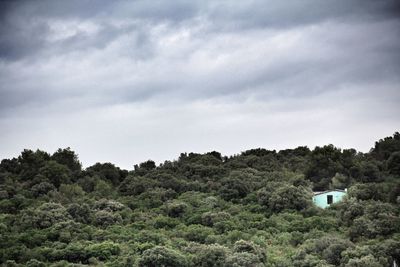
326	198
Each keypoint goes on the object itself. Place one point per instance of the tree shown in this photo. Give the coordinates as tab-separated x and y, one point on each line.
234	188
285	197
385	147
197	233
68	158
243	246
393	163
35	263
176	209
80	213
243	259
370	191
167	181
378	219
45	215
212	218
340	181
211	256
56	173
162	256
202	210
71	192
104	250
135	185
106	218
42	189
366	261
9	165
325	162
145	167
107	171
370	172
327	248
30	162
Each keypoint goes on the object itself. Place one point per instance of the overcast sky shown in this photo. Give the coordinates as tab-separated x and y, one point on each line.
127	81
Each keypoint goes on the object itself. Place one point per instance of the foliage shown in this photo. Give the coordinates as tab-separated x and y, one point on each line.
252	209
162	256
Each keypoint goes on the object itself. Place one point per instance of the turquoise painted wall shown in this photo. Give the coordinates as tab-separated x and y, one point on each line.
321	200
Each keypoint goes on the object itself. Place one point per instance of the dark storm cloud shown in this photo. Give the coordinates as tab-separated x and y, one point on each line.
281	14
25	23
196	74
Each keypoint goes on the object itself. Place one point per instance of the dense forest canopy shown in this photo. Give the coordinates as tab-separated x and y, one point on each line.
250	209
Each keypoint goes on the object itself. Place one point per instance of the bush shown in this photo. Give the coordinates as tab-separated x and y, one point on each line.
42	189
108	205
176	209
71	192
211	256
197	233
80	213
165	222
135	185
327	248
211	218
35	263
234	188
243	246
103	251
366	261
371	191
45	215
107	218
243	259
162	256
285	196
379	219
393	163
56	173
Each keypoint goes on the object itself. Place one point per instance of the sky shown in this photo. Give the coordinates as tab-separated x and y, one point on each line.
127	81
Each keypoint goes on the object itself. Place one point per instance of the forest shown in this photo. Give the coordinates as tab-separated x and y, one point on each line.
251	209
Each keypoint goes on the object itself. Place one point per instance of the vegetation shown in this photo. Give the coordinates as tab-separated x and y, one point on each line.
251	209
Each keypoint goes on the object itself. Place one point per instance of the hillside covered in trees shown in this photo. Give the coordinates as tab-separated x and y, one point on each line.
250	209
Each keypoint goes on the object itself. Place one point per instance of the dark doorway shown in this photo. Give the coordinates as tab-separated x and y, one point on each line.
329	199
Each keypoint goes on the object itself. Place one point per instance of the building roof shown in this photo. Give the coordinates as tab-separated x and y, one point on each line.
327	191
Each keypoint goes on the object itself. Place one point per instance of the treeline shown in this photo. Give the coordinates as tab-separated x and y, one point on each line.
250	209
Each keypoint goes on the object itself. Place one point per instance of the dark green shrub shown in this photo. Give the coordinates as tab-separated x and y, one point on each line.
103	251
162	256
211	256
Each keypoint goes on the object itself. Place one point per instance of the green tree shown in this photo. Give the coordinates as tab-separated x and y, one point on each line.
340	181
162	256
370	172
80	212
385	147
68	158
324	163
107	171
106	218
30	162
56	173
393	163
45	215
285	197
104	250
42	189
211	256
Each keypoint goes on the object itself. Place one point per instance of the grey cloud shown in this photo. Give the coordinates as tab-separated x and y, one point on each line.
254	14
20	39
164	77
24	23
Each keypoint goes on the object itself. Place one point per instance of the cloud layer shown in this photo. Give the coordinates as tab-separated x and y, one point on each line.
124	81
